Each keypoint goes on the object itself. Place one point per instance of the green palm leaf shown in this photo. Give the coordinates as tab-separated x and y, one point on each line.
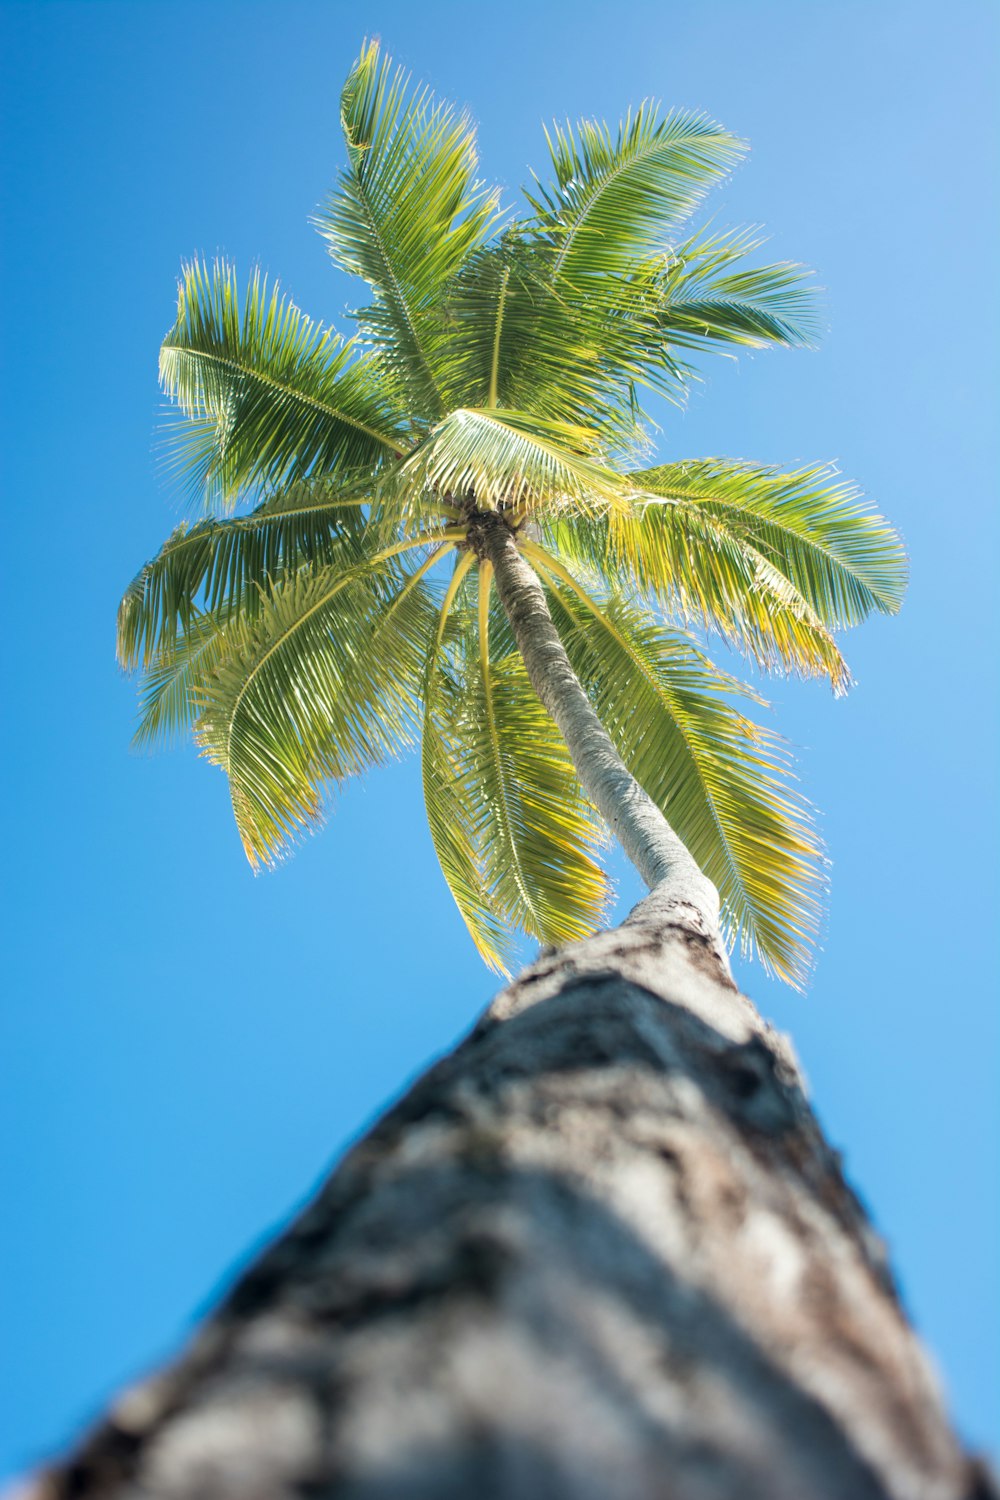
708	295
270	396
703	573
405	215
561	317
175	678
321	685
228	564
509	459
526	858
541	832
511	335
616	197
594	296
720	779
454	816
844	559
523	342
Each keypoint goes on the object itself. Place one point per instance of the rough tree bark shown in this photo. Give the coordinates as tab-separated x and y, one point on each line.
600	1252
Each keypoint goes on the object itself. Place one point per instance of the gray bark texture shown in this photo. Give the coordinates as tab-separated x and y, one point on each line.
599	1252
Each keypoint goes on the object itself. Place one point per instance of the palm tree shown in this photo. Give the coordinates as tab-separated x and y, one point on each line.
442	528
603	1248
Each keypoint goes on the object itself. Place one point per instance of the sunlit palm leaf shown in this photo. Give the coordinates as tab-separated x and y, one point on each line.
510	334
323	684
616	197
451	793
520	341
615	201
406	213
270	395
510	459
702	573
529	834
708	295
720	779
541	832
175	679
554	332
842	557
225	565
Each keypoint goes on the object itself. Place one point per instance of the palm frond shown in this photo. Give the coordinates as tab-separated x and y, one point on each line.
270	396
404	216
225	566
451	795
708	295
702	573
175	677
720	779
510	459
520	343
843	558
541	832
323	684
616	197
529	834
588	295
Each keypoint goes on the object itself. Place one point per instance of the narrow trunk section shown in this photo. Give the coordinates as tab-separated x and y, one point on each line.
661	858
601	1252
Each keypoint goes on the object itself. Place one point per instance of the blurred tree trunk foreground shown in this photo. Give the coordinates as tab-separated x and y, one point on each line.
600	1252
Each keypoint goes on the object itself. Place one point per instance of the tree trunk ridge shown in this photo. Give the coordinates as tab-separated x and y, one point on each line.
599	1252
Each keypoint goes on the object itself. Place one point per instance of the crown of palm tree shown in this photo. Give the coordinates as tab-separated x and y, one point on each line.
498	369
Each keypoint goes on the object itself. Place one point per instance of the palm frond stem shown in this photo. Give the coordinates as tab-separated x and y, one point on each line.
492	399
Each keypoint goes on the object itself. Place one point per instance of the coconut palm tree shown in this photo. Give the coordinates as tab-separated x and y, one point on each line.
443	528
602	1248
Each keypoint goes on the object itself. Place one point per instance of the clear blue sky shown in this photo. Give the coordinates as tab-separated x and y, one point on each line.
186	1047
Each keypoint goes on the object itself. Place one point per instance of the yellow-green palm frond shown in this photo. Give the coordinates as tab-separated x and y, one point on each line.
175	677
509	333
541	831
510	459
452	817
226	566
406	213
591	296
844	559
617	196
322	684
706	294
269	395
720	779
513	831
702	573
520	342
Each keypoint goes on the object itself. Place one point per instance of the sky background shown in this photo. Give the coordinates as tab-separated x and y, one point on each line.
185	1047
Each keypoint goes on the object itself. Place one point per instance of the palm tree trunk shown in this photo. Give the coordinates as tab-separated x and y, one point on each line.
681	891
601	1252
